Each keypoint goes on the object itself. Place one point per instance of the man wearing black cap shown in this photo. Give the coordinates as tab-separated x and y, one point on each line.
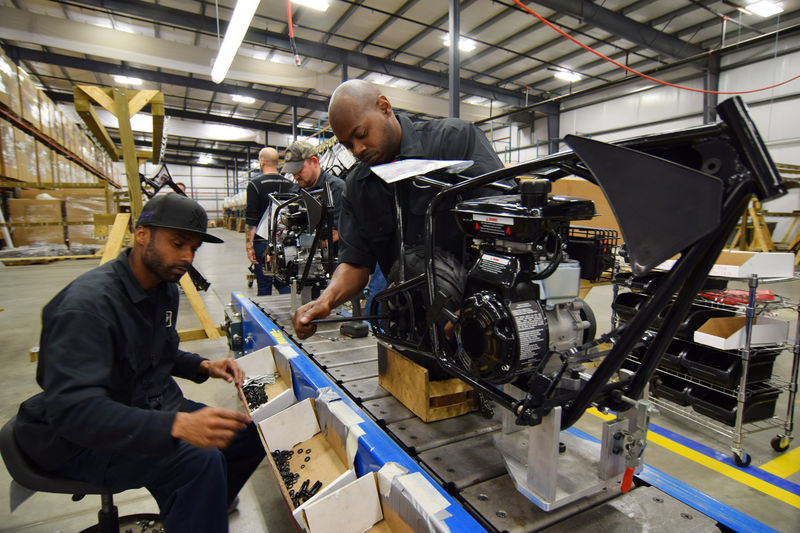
302	163
111	412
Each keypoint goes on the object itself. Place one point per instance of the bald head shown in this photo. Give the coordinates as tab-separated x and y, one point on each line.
363	121
268	160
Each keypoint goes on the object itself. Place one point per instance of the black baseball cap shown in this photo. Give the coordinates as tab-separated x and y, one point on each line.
177	212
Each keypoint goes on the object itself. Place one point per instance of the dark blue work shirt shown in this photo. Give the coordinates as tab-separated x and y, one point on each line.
368	225
107	356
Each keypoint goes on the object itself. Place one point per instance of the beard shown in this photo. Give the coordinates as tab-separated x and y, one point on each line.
158	266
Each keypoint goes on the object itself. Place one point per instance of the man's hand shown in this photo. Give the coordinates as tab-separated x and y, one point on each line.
301	319
226	369
209	427
251	255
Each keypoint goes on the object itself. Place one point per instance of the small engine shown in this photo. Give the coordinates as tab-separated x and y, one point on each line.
296	245
521	299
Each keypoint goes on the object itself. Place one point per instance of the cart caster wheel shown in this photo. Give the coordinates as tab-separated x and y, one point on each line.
780	443
743	461
249	284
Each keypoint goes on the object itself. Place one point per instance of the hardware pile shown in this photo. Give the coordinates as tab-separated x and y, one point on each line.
253	390
282	459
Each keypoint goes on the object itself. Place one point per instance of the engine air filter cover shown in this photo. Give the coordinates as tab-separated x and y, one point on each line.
506	217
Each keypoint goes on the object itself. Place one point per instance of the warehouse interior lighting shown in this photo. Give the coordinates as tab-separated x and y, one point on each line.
765	8
237	27
125	80
205	159
243	99
464	44
319	5
568	75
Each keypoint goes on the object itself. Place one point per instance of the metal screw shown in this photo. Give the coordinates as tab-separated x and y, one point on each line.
501	514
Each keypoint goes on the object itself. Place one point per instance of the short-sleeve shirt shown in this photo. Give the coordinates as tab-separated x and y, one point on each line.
107	356
368	225
258	191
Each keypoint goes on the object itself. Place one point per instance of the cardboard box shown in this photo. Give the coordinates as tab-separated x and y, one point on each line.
37	236
29	99
580	188
354	508
411	385
265	362
27	169
9	84
8	150
44	163
35	210
741	264
326	427
728	333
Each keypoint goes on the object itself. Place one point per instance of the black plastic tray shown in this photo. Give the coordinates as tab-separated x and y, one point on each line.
759	403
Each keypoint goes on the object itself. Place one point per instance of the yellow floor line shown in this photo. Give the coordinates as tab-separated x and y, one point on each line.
717	466
785	465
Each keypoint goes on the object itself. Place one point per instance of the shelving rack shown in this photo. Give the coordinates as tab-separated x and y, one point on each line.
736	433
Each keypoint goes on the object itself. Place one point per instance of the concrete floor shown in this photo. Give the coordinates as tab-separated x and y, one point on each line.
25	289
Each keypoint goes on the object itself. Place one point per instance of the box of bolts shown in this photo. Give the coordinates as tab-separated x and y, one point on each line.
312	445
391	500
267	388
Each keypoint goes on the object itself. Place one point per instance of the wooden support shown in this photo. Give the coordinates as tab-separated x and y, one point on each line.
128	150
211	331
116	237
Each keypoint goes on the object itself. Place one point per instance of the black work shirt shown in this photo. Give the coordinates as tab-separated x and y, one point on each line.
337	188
107	354
258	191
368	226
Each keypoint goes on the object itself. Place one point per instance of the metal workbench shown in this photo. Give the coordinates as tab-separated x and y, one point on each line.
458	454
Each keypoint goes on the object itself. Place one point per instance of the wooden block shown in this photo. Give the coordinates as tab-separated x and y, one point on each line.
410	384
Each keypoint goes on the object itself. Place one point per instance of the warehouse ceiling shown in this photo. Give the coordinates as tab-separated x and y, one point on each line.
170	44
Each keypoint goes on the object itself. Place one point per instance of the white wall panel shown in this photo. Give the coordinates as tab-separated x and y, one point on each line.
763	74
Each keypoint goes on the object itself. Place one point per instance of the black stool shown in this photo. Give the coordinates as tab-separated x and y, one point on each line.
31	477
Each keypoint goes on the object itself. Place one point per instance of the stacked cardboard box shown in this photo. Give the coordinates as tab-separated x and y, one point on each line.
34	211
80	206
8	151
9	85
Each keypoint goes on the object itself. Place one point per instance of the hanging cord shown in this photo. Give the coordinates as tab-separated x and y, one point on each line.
291	32
641	74
216	6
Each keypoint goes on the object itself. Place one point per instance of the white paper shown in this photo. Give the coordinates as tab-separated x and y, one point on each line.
407	168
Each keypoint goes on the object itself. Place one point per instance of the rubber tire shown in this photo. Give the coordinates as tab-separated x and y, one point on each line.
778	443
742	463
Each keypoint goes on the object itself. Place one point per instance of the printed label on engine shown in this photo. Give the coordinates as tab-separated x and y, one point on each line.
531	329
493	225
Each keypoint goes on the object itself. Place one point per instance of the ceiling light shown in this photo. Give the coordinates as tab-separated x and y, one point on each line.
464	44
205	159
380	79
237	27
281	58
319	5
567	75
304	124
765	8
243	99
477	100
125	80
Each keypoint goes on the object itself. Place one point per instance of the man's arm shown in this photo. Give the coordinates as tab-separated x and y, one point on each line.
250	232
348	279
252	218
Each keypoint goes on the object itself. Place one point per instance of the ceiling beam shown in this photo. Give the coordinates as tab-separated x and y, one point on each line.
194	115
318	50
49	58
624	27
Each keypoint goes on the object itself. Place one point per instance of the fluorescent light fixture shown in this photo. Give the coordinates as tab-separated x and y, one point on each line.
567	75
477	100
205	159
464	44
243	99
319	5
125	80
765	8
306	125
237	27
380	79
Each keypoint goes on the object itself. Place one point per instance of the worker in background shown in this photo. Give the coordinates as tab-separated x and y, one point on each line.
258	190
181	186
302	163
111	413
364	122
